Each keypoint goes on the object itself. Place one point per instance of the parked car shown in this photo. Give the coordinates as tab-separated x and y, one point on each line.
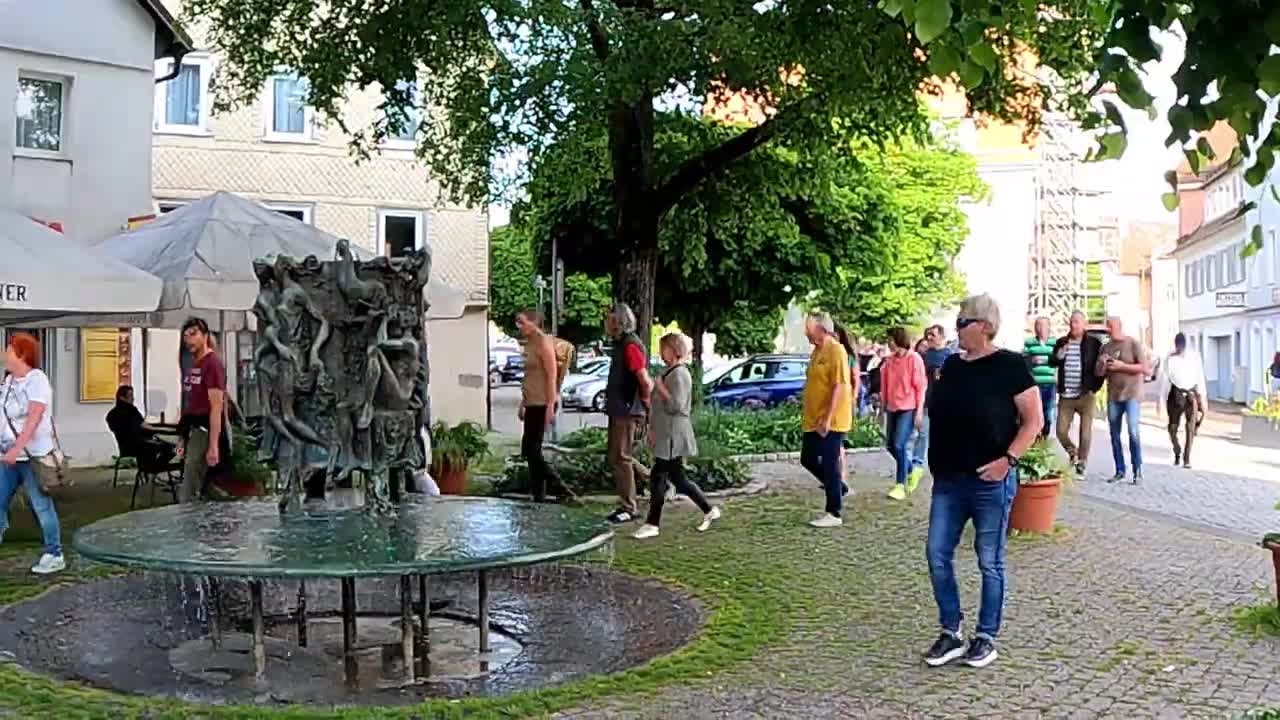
589	394
759	381
498	356
587	371
512	371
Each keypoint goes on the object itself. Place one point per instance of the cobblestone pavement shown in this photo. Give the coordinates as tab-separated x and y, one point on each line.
1118	616
1231	489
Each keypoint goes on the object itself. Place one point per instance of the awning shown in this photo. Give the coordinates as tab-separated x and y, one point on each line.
44	274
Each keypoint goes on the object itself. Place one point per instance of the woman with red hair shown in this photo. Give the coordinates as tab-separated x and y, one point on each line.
26	433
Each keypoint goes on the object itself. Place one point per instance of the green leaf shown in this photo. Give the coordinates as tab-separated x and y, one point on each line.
1193	159
985	56
1237	155
1269	75
943	60
1252	247
1170	201
1171	177
1272	26
1255	236
1202	145
891	7
1113	145
1275	193
971	32
1256	174
971	74
932	19
1114	115
1130	89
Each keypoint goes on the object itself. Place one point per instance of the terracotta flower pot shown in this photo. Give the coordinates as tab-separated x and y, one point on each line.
452	479
1035	507
1274	547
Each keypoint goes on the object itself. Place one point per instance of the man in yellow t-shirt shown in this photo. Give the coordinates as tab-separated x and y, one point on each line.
827	414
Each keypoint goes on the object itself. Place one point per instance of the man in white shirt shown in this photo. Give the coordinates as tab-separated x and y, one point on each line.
1183	392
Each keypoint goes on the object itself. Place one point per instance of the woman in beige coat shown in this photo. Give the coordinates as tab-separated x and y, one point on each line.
671	436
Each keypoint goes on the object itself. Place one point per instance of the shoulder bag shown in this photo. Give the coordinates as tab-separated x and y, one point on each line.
51	469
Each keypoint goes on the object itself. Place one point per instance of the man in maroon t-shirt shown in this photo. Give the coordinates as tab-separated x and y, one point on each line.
204	387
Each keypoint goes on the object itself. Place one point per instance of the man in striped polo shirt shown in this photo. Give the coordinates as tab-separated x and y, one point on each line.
1074	355
1037	350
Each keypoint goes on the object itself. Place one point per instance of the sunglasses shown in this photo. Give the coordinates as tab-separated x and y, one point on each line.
962	323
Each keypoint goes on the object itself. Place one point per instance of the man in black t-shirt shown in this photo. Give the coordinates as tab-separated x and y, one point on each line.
984	414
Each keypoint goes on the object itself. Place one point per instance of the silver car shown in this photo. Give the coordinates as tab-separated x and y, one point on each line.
585	395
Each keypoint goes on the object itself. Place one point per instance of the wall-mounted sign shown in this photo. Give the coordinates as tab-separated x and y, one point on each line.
12	294
1275	296
1230	299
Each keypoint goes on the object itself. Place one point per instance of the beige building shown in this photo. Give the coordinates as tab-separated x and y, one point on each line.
280	153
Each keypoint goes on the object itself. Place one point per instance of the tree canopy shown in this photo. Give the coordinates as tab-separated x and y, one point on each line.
507	75
821	223
512	269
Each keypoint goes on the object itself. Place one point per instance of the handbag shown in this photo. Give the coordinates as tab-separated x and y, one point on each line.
50	469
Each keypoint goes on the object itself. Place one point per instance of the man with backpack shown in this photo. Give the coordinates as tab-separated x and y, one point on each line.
546	360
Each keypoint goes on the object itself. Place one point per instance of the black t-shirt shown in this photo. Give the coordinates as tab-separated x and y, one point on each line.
972	418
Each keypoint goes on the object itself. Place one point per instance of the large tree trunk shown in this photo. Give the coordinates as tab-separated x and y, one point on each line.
631	150
697	333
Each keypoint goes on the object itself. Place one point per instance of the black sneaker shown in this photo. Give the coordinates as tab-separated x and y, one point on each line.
1080	473
981	653
946	648
1117	478
1186	463
1177	459
621	517
1137	476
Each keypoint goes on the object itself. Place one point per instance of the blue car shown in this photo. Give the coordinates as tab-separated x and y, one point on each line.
760	381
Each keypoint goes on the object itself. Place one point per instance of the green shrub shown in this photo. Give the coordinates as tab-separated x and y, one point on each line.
755	432
588	473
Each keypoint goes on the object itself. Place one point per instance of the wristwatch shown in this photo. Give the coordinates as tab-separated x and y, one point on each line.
1013	459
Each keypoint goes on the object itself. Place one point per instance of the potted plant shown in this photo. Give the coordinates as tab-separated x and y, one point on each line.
1260	423
1040	478
1271	541
453	449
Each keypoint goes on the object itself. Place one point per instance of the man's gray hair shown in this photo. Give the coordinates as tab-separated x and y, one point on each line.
623	315
983	308
824	321
1079	313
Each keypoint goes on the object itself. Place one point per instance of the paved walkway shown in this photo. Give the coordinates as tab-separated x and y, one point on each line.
1124	616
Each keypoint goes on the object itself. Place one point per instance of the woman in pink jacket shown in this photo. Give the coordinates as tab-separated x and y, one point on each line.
902	388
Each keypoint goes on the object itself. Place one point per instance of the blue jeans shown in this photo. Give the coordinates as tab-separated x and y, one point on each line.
900	425
1049	402
11	476
957	499
821	456
1117	411
920	453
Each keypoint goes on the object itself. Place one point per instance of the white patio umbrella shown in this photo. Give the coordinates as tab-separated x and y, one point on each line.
45	274
203	252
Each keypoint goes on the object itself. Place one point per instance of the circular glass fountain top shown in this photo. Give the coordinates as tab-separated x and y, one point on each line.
420	536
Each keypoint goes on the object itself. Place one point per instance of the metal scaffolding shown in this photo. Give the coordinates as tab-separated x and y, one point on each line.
1070	232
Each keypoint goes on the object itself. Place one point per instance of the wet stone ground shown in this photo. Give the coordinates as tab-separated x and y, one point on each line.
143	634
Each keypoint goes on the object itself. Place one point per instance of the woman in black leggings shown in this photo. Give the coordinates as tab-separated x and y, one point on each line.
671	436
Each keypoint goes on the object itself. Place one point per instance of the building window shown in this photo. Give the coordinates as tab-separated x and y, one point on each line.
402	125
295	211
400	232
1211	272
285	108
1272	263
1237	348
182	103
168	206
41	112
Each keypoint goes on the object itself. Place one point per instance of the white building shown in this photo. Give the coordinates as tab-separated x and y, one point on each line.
77	81
279	152
1213	298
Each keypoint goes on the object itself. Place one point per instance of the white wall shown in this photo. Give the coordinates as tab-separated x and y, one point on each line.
1164	298
995	257
104	51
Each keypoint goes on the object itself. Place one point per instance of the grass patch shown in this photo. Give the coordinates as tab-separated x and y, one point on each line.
1257	620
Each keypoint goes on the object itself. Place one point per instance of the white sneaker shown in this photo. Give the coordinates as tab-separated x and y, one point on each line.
827	521
49	564
645	532
709	518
